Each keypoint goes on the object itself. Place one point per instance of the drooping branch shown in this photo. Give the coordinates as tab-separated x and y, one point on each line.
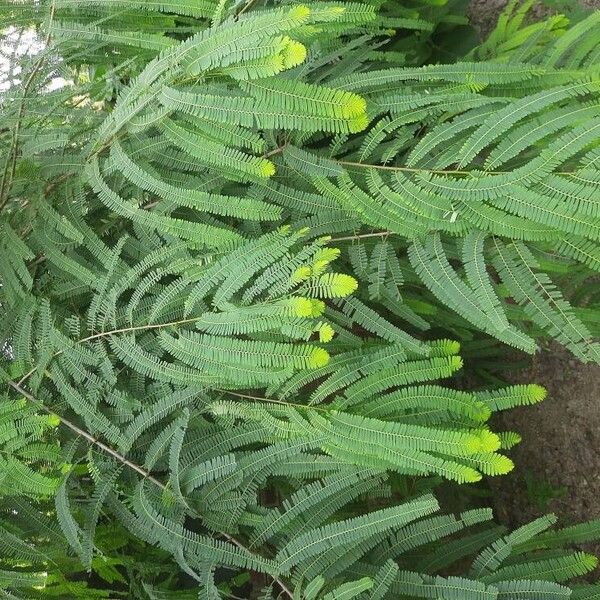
126	462
88	436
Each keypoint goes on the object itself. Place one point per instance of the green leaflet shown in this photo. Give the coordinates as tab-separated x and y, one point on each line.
197	8
275	104
543	302
192	231
94	34
230	206
474	74
351	531
432	266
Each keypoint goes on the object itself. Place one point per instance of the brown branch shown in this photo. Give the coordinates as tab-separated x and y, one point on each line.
277	150
272	401
88	436
405	169
246	6
56	182
102	334
360	236
128	463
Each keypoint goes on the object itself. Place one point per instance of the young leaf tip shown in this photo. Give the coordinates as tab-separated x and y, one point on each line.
267	169
300	13
470	476
453	347
344	285
301	273
456	362
490	442
537	393
53	420
590	561
317	307
326	333
318	358
293	54
301	307
503	465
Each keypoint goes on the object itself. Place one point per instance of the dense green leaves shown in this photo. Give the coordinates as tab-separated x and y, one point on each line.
240	243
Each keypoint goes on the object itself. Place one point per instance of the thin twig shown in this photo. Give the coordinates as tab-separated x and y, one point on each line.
88	436
11	160
272	401
349	163
405	169
246	6
125	461
102	334
277	150
360	236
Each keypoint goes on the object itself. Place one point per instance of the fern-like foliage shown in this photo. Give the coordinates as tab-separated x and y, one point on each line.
463	158
29	463
204	393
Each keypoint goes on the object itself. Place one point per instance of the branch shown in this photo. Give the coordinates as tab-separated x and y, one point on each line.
88	436
246	6
125	461
103	334
404	169
360	236
274	401
11	157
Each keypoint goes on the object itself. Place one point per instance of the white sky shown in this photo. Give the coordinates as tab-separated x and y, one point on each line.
21	43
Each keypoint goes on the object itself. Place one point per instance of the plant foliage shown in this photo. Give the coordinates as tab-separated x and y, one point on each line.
219	378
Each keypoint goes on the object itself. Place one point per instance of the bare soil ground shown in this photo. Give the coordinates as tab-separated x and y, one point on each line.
560	447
